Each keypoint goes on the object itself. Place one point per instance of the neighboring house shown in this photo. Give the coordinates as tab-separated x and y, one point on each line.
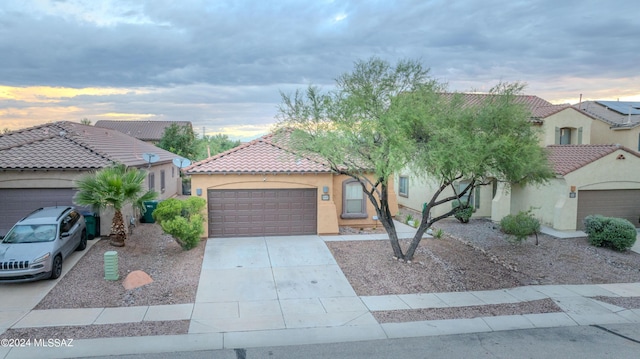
263	188
148	131
590	179
593	175
618	122
38	166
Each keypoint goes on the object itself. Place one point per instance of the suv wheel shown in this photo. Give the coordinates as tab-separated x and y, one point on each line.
56	267
83	241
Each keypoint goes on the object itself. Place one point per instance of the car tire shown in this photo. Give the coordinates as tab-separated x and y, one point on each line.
56	267
83	241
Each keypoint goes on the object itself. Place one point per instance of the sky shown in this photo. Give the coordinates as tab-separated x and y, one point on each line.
223	64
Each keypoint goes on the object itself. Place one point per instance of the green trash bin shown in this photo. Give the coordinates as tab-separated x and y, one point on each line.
149	207
93	224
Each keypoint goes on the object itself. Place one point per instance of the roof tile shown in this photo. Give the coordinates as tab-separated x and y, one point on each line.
69	145
258	156
142	130
568	158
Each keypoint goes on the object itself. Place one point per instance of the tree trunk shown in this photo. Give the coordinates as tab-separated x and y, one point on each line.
118	234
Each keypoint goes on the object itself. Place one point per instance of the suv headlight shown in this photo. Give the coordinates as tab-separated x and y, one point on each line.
42	258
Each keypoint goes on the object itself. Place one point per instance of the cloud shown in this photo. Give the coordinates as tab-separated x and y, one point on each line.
224	62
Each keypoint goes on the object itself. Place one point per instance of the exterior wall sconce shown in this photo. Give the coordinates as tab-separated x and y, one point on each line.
199	191
325	193
572	194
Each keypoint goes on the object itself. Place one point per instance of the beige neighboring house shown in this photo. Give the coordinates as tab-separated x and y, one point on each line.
618	122
38	166
148	131
594	175
262	188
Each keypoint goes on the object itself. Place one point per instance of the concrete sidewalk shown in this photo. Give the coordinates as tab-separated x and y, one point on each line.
275	291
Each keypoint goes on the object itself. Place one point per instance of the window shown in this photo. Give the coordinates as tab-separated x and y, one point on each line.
353	200
152	181
69	221
565	136
162	181
403	186
474	202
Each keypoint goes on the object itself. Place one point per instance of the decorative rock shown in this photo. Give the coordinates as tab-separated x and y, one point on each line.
136	279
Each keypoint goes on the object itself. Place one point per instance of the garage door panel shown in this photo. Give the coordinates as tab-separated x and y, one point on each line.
262	212
16	203
610	203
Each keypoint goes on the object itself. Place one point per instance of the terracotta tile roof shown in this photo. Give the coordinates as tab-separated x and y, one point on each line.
262	155
142	130
568	158
69	145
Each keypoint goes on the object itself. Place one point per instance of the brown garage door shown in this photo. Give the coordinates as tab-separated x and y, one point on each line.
268	212
18	202
609	203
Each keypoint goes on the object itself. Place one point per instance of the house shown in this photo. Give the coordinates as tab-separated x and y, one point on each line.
263	188
618	122
594	175
590	179
148	131
38	166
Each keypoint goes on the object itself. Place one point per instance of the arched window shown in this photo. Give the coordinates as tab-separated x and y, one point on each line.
353	200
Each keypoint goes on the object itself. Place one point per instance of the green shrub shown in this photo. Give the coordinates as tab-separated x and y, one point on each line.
463	213
182	219
521	225
616	233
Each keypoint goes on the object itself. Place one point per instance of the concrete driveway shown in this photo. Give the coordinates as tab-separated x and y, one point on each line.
266	283
17	299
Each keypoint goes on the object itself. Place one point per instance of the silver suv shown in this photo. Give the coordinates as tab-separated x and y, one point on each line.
37	245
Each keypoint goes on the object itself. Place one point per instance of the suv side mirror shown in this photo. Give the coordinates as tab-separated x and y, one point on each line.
64	235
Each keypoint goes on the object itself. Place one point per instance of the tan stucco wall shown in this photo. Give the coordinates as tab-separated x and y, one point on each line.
421	190
603	135
371	211
328	211
173	183
566	118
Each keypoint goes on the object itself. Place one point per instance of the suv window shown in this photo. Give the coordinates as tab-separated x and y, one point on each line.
69	221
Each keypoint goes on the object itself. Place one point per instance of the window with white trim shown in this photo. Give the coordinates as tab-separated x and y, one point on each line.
353	200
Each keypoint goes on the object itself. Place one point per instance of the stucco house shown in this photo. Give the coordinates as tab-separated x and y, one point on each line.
148	131
263	188
592	177
38	166
617	122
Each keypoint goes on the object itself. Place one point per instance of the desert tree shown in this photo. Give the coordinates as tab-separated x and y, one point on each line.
382	118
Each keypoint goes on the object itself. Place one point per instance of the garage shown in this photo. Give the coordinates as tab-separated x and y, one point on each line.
18	202
610	203
262	212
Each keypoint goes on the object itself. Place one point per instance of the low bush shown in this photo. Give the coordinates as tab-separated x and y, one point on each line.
521	225
463	213
616	233
182	219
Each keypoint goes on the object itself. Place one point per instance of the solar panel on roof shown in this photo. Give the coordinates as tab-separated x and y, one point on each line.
622	107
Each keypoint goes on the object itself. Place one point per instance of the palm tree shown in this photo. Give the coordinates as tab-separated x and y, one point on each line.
115	187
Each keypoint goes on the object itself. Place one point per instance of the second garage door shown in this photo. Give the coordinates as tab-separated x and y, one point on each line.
610	203
262	212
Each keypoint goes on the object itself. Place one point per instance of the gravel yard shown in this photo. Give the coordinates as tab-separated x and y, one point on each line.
473	256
